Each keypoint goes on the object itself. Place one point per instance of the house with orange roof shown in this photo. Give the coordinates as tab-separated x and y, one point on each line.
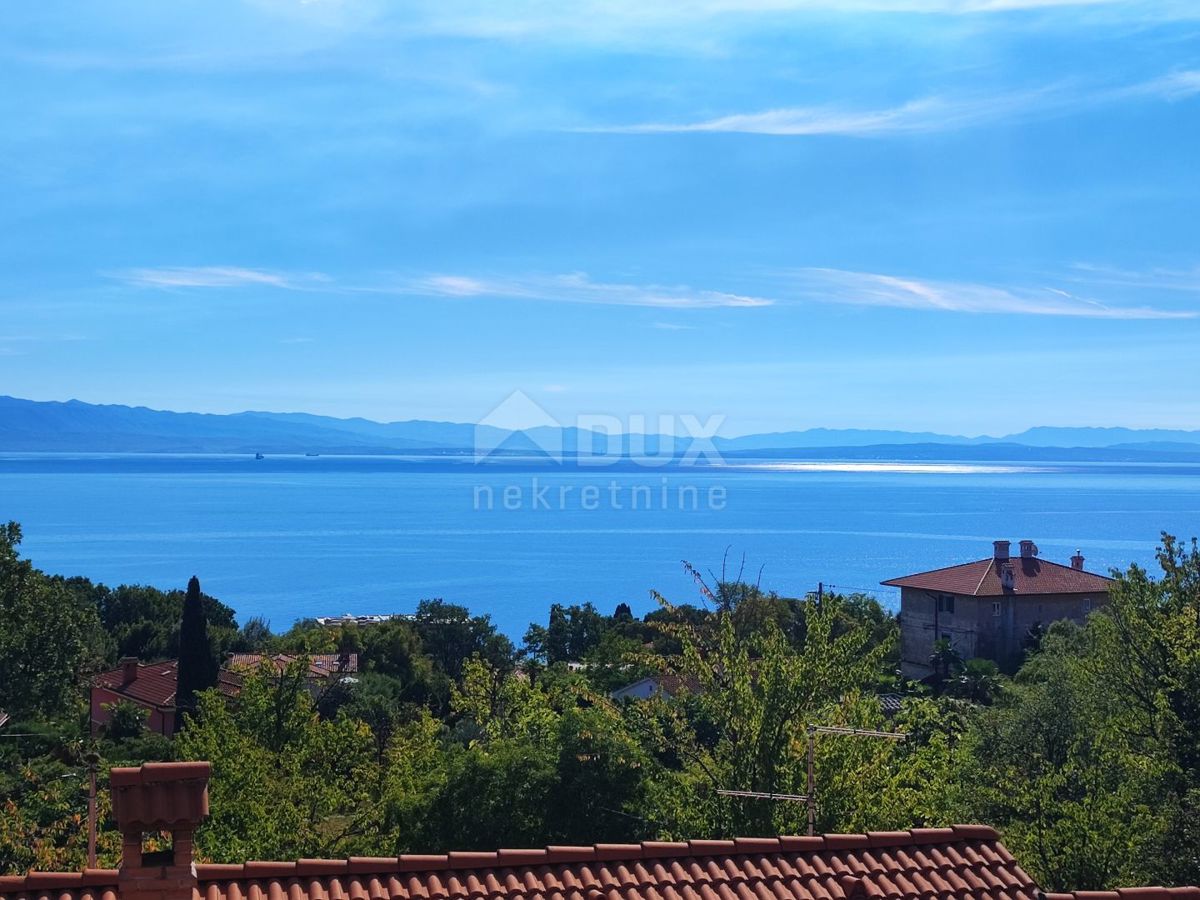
151	686
987	608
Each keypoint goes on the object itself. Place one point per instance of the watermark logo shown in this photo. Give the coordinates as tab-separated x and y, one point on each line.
519	426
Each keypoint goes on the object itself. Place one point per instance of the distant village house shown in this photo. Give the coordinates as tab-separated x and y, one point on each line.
664	686
152	686
987	608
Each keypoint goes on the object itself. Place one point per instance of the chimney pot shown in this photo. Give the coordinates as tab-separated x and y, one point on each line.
1077	561
159	796
1001	549
1028	550
129	669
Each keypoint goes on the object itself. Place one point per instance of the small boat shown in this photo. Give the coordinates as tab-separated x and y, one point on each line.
259	456
312	454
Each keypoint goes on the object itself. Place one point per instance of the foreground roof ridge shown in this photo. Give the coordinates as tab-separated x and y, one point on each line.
86	878
558	854
1130	893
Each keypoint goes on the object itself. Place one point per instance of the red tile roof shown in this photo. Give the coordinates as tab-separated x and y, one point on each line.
154	683
962	863
90	884
965	862
982	578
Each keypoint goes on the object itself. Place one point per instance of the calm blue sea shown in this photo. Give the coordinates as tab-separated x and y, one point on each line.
303	536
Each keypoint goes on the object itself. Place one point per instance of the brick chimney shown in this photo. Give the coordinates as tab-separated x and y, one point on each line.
1028	550
1077	561
158	796
1001	552
129	669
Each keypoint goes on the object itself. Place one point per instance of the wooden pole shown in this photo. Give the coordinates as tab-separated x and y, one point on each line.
810	802
92	762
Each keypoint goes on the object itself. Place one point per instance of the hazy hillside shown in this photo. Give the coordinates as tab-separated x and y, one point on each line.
73	426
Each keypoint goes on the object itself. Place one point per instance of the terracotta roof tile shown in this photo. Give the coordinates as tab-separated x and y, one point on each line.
964	863
154	683
982	578
926	864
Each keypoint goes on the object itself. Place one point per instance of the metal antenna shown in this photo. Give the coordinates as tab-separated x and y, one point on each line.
813	731
760	795
810	799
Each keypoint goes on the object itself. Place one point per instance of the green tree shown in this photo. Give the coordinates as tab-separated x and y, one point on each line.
945	660
979	681
254	635
198	659
285	783
1073	804
572	632
47	637
744	726
125	720
451	636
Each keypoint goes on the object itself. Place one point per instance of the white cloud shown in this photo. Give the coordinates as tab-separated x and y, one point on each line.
810	284
578	288
839	286
1177	85
606	20
923	115
928	114
1187	280
216	277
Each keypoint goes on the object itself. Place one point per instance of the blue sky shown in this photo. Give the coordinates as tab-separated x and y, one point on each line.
962	215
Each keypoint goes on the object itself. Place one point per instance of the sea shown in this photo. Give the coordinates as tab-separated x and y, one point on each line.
288	537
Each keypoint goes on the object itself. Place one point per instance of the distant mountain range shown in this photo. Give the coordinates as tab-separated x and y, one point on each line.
33	426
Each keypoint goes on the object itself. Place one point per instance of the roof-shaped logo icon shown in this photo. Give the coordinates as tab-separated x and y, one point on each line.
519	425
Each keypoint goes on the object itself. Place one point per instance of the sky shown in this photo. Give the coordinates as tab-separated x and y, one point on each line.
966	216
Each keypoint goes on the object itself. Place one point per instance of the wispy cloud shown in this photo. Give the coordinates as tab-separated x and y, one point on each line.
672	326
217	277
872	289
578	288
1187	280
601	20
925	114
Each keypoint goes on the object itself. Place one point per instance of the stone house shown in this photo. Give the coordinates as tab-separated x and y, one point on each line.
987	608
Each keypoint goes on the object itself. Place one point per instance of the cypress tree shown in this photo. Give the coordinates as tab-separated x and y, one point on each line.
198	663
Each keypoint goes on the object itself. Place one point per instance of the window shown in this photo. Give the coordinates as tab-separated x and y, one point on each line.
945	603
995	607
1087	605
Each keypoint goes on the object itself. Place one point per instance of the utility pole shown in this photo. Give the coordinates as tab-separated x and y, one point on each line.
810	803
93	762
